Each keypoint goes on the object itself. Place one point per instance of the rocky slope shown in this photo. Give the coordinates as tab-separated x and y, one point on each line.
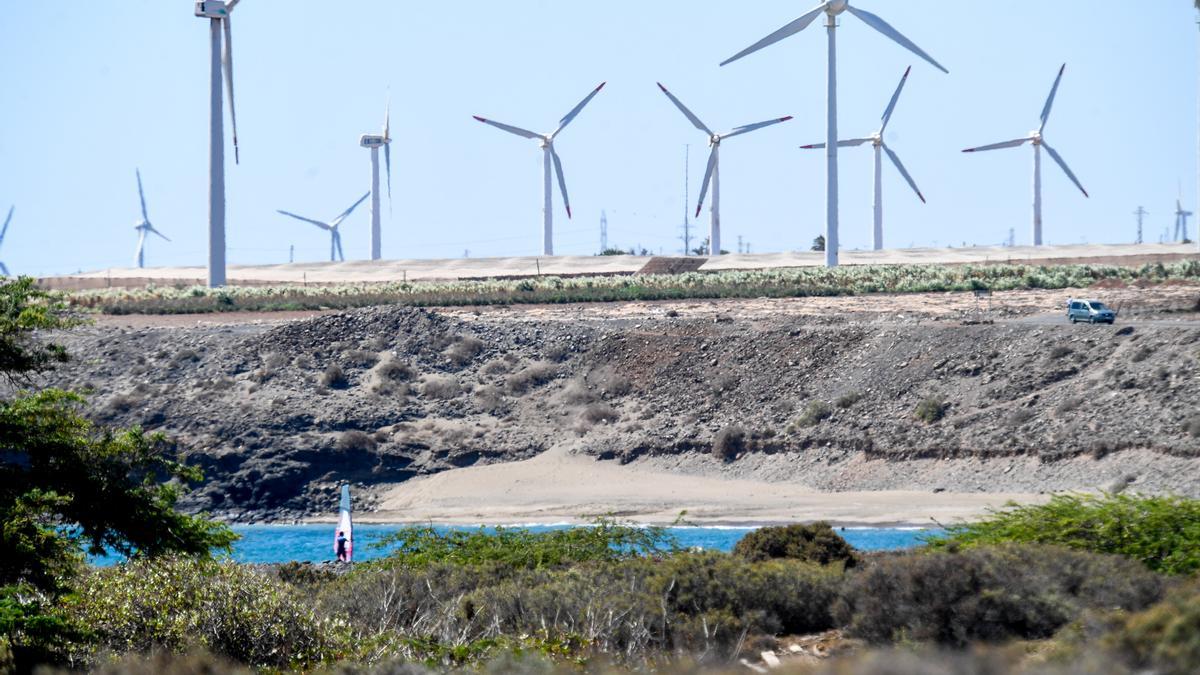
277	413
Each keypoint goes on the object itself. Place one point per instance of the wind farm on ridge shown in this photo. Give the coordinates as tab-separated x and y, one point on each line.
830	14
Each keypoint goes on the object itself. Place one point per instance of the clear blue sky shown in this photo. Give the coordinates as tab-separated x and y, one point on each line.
93	90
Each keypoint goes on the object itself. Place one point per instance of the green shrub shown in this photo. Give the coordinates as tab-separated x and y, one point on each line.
816	543
230	609
815	413
634	609
1161	532
847	401
988	594
729	443
1163	639
931	410
605	540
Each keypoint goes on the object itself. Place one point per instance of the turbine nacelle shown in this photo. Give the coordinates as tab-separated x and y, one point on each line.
212	9
835	7
371	141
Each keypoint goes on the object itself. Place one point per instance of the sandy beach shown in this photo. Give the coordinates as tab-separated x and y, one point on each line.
561	487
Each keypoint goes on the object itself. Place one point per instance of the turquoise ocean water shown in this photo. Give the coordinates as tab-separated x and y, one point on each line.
314	543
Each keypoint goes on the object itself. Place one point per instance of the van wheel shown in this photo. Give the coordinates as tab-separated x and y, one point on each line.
1072	319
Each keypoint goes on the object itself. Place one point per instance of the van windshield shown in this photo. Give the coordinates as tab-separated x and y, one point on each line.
1098	306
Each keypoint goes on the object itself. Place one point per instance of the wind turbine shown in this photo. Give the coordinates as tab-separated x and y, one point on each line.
335	237
1181	220
218	13
876	140
713	174
144	227
1039	142
374	143
546	141
4	231
831	9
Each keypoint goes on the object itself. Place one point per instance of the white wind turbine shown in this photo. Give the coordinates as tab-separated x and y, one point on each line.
218	13
374	143
876	140
1181	220
1039	142
4	231
335	237
546	141
144	227
831	9
713	173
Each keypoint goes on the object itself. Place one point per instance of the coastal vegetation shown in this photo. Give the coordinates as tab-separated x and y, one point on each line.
770	283
1083	584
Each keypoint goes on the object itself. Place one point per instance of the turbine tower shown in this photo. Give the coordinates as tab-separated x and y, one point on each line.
876	140
831	9
144	227
1038	140
335	237
218	13
374	143
546	141
712	175
4	231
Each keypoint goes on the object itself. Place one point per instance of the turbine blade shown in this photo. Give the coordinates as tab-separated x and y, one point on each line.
346	214
885	28
1050	99
852	143
562	124
7	220
323	226
904	172
231	4
997	146
142	196
151	229
1070	174
387	118
887	114
141	247
337	237
562	181
686	113
387	161
4	269
755	127
227	60
509	128
708	174
783	33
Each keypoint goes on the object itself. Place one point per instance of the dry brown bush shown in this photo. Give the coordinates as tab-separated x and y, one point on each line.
529	377
441	387
464	351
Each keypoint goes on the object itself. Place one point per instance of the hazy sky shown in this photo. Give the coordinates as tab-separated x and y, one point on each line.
93	90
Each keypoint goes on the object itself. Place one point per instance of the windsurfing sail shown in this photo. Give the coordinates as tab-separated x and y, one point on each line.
343	538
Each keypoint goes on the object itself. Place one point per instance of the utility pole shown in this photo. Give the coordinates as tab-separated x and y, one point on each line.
292	253
603	231
1141	214
739	243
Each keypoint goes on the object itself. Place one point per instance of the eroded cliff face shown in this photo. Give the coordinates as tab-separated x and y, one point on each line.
277	413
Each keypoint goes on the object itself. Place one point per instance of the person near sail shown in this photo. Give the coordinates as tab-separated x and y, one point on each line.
341	547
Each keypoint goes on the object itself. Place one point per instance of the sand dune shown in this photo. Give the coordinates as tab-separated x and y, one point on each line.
558	486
